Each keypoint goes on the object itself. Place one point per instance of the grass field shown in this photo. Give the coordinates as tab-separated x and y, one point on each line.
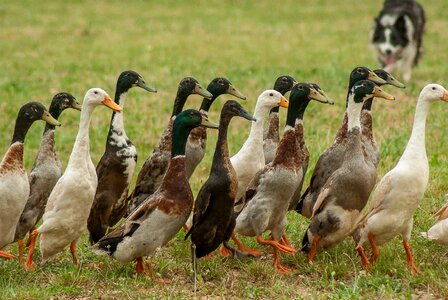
48	46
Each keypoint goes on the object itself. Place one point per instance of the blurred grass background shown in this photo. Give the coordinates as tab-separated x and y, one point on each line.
52	46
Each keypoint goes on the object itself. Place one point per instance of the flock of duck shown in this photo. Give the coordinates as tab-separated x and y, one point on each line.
248	194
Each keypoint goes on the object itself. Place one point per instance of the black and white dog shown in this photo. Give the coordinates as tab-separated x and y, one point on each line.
396	37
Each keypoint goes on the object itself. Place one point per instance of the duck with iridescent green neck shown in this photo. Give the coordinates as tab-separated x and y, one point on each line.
198	136
157	220
14	184
151	174
46	171
283	84
116	166
332	158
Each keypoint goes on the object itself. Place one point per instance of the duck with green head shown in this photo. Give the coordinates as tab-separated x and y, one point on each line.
46	171
198	136
157	220
14	184
116	166
332	158
151	174
347	190
269	193
283	84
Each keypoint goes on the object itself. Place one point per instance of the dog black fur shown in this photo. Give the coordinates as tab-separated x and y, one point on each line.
396	37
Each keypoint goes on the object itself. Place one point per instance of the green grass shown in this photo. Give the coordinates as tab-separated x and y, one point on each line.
47	47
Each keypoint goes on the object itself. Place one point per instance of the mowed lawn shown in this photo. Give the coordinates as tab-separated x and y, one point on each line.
52	46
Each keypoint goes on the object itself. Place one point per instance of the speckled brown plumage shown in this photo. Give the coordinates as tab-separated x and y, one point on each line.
13	160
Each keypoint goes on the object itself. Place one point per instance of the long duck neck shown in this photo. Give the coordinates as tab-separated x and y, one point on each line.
256	130
296	110
416	144
354	114
117	121
81	148
222	149
20	129
179	102
206	103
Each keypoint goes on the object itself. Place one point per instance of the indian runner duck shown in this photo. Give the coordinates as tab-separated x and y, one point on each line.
332	158
250	158
347	190
283	84
213	217
269	193
151	174
14	184
400	191
197	139
46	171
157	220
438	233
116	166
68	207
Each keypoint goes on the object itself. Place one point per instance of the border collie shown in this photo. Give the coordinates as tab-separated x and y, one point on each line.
396	37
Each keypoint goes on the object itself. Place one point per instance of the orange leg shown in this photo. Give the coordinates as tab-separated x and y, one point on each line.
285	241
28	241
149	271
411	266
139	269
272	243
74	253
29	264
20	248
6	255
375	252
313	250
281	269
224	251
244	248
365	260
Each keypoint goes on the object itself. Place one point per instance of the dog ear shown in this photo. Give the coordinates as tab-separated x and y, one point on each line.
400	25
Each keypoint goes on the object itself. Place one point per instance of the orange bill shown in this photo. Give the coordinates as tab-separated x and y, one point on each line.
445	96
107	101
284	102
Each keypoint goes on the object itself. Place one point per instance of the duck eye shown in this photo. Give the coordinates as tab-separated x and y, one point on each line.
271	94
220	82
433	88
95	92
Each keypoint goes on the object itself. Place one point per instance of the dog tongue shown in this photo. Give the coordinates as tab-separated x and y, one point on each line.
389	60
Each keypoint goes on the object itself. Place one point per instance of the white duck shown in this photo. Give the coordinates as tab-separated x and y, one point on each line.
250	159
399	192
439	232
14	185
69	203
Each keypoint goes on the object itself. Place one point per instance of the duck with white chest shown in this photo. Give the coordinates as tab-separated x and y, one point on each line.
400	191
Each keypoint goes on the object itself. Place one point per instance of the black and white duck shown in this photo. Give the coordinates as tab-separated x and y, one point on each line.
116	166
